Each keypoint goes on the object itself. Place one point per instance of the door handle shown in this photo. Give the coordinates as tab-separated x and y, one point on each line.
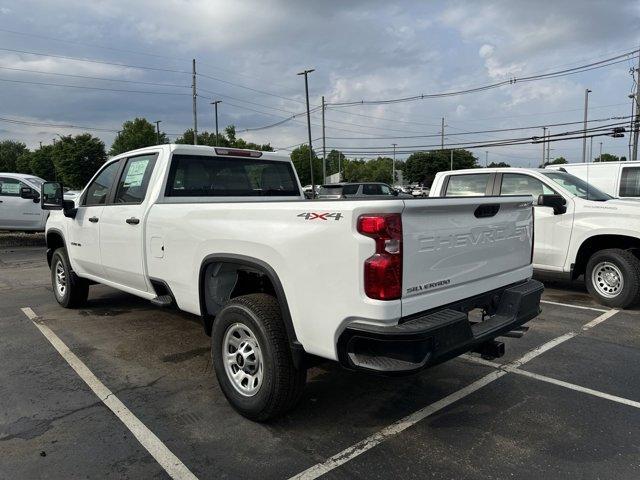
133	221
93	219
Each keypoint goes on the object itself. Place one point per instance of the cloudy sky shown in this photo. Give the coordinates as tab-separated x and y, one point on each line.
249	52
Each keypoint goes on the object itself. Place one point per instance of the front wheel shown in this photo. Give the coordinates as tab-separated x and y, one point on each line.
69	289
613	277
252	358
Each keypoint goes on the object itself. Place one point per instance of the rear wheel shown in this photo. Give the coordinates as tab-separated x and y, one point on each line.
69	289
613	277
252	358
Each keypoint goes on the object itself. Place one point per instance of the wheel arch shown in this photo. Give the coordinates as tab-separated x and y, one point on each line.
599	242
231	265
54	239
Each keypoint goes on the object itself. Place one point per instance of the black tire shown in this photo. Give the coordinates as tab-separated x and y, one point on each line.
76	289
627	264
282	383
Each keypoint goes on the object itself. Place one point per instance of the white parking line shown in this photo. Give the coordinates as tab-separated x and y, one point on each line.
582	307
395	428
368	443
158	450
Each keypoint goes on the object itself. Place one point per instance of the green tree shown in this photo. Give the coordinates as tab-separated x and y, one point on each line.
498	165
23	163
77	158
136	133
422	166
10	150
557	161
607	157
41	162
300	159
335	160
226	139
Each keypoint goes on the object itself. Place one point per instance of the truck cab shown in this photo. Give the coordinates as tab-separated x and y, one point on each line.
20	203
580	230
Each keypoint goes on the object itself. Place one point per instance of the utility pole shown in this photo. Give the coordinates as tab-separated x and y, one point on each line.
157	122
393	165
634	153
549	146
442	135
600	157
451	167
306	92
544	136
324	149
215	108
486	159
584	127
195	106
591	150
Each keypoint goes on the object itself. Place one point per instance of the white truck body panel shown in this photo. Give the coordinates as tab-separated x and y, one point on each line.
16	213
318	262
558	237
618	179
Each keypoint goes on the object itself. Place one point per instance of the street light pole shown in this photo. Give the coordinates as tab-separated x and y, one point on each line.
157	122
544	137
306	92
584	127
215	108
393	165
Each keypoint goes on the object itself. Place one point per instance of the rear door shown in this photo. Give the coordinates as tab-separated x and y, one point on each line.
122	224
455	248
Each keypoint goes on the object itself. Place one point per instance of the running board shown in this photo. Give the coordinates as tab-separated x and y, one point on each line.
162	301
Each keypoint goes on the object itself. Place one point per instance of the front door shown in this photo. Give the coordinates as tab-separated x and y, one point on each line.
84	229
552	232
17	213
122	225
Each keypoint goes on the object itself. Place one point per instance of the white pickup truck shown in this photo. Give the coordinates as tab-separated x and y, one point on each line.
382	285
579	229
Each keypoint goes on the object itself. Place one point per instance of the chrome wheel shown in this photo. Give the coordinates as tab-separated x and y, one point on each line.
243	361
607	279
60	279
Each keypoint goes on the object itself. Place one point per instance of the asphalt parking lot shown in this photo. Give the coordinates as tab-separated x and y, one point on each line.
563	402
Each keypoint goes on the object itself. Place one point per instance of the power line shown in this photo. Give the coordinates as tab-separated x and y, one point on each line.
511	81
84	87
238	85
40	72
101	62
434	135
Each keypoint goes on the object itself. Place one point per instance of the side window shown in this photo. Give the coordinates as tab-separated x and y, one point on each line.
371	190
350	189
134	181
10	187
473	184
99	189
518	184
630	182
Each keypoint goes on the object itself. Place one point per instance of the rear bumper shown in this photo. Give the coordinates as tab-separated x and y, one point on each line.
436	336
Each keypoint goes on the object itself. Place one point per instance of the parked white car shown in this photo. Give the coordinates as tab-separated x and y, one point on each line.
381	285
20	203
580	230
420	191
618	179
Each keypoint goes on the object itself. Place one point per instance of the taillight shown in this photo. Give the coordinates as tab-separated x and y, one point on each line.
383	270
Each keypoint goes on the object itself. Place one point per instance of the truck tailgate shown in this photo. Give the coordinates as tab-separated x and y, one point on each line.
455	248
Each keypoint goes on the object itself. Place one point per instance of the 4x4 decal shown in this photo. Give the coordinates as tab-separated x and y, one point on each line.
321	216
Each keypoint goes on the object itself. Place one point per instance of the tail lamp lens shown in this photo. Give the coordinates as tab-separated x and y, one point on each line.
383	270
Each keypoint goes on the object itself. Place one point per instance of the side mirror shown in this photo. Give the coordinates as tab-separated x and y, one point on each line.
555	201
394	193
29	193
52	197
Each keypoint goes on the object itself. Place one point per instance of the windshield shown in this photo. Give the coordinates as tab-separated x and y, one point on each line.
38	181
330	190
577	186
